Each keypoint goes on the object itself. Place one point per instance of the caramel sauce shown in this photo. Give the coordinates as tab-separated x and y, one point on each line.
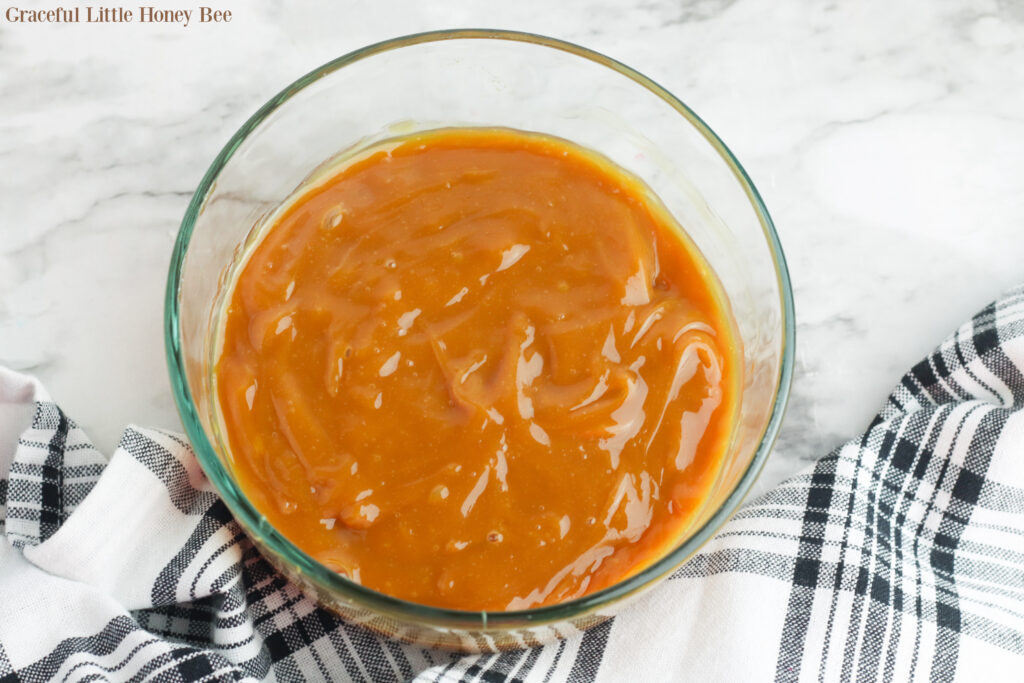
478	369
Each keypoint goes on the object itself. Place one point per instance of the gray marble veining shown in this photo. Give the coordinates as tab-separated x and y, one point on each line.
886	139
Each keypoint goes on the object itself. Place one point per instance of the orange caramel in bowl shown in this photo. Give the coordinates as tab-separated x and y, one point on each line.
478	369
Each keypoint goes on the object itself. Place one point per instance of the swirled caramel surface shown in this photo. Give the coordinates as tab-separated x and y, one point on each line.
478	369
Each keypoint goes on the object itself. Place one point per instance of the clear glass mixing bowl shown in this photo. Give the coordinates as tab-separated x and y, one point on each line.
482	78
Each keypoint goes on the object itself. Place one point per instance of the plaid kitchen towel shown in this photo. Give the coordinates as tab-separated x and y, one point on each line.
899	556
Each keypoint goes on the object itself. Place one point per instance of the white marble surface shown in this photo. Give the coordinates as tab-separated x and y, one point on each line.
887	139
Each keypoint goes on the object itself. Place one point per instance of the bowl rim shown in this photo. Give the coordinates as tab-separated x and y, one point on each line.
325	578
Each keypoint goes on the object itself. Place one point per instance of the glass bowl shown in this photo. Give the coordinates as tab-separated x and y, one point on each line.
492	79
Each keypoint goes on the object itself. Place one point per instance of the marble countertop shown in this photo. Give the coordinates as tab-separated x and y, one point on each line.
886	139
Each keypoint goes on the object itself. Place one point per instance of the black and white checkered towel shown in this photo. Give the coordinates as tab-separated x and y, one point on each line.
899	556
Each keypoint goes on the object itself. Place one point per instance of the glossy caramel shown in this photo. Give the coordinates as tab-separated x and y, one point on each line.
477	369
